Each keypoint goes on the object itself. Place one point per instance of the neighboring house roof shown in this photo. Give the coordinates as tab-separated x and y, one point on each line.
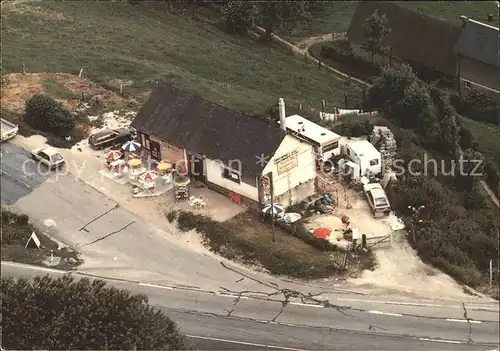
479	41
190	122
414	37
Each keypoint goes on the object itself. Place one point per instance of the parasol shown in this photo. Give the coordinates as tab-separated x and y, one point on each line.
164	166
131	146
322	233
274	209
113	155
134	162
148	176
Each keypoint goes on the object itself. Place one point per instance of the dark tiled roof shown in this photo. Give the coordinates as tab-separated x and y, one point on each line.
414	37
189	122
479	41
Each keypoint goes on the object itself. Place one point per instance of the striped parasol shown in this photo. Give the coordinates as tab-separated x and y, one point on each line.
113	155
274	209
131	146
148	176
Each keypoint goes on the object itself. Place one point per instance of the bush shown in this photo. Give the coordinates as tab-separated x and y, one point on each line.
341	51
67	314
171	216
477	105
46	114
222	240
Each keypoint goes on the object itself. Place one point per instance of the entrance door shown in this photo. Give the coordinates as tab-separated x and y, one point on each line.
155	150
196	166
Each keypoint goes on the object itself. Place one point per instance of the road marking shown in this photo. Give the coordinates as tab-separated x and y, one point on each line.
443	341
244	343
463	321
232	296
156	286
386	313
305	304
395	302
17	179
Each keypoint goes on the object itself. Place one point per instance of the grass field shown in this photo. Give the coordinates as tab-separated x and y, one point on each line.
142	43
452	10
486	135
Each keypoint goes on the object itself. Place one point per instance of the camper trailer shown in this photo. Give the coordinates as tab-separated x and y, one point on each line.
365	156
325	142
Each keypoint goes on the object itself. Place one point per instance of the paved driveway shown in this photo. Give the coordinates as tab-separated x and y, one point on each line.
19	176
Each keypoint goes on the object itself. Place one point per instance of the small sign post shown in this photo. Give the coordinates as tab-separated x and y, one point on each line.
33	241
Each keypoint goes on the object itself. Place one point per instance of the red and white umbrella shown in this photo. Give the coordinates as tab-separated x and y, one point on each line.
148	176
113	155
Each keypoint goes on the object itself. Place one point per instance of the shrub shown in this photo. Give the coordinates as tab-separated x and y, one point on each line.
238	16
341	51
82	314
46	114
171	215
477	105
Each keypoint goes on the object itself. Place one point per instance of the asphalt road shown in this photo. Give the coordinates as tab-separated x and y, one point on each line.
225	322
18	177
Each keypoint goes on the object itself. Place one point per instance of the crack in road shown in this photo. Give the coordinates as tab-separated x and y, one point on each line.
108	235
98	217
287	295
466	317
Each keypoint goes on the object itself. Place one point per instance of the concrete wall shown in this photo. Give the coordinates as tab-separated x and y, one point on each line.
214	175
292	185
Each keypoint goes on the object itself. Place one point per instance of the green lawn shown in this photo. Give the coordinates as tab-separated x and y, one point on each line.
486	135
143	43
452	10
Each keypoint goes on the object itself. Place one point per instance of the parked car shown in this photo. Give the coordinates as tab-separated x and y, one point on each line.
9	130
377	198
109	137
49	157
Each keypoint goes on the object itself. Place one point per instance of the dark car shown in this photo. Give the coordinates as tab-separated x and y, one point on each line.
109	137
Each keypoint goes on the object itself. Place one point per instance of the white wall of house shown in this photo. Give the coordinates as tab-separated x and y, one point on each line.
214	174
293	175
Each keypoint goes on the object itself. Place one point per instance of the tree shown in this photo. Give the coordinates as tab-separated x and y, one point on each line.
375	29
450	133
46	114
281	15
399	94
239	16
64	314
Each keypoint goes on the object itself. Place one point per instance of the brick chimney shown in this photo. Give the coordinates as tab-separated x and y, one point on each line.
490	17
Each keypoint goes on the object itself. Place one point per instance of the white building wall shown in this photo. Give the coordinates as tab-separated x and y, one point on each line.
297	183
214	175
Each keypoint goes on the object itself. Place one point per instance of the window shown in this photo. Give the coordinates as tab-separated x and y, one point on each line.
348	152
374	162
231	175
56	157
44	155
331	147
147	145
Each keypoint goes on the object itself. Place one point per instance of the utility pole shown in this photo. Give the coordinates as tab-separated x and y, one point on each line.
491	274
271	186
